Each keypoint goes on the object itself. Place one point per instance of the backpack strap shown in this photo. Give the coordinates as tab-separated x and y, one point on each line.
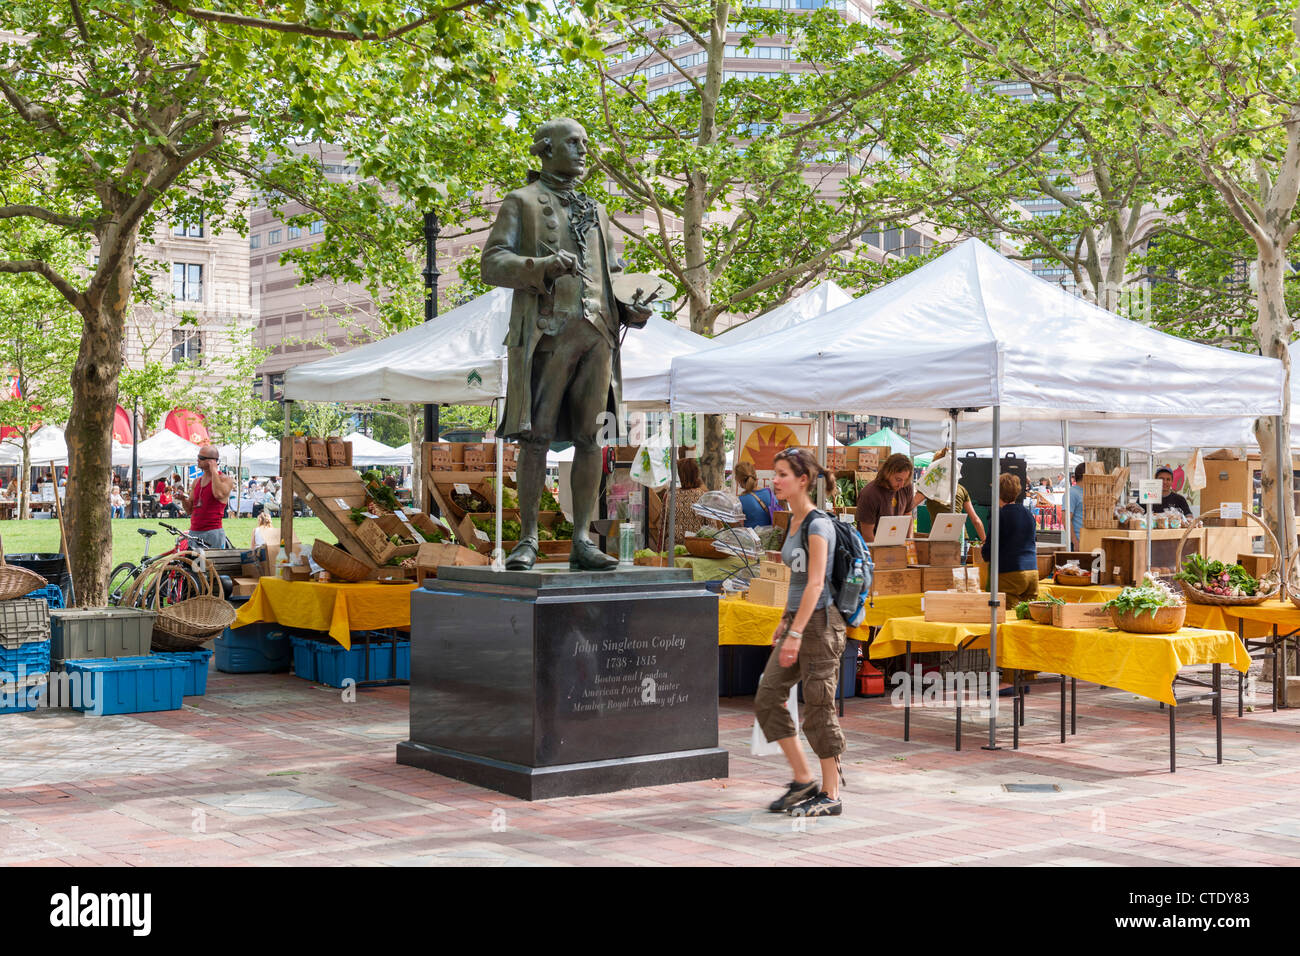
761	503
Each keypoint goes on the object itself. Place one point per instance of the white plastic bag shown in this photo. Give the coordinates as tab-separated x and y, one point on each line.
758	744
1196	471
652	465
934	481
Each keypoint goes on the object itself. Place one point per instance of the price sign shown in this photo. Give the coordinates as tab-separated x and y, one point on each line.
343	505
481	535
1230	509
512	475
461	489
1150	491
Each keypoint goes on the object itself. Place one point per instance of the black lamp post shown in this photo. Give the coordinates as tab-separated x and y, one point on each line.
135	458
431	274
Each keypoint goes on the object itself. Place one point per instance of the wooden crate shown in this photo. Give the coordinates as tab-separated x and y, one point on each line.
1257	565
1125	560
1080	615
770	571
963	607
939	579
771	593
373	536
888	558
896	581
1226	481
431	556
836	459
938	554
332	493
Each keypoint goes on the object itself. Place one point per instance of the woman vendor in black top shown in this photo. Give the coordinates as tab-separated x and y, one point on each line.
1171	498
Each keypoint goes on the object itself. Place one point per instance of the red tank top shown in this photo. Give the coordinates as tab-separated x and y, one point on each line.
208	511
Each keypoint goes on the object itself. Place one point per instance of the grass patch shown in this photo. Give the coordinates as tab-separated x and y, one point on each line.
41	536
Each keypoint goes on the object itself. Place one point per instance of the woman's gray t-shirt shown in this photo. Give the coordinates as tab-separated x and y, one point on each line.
792	557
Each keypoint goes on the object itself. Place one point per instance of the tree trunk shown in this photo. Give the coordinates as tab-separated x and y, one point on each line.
90	434
1273	333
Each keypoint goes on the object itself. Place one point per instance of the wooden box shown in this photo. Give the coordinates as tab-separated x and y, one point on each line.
1226	481
1046	566
431	556
774	556
1081	615
1257	565
871	457
1125	561
963	607
896	581
1065	557
888	558
774	571
836	459
938	554
471	536
939	579
771	593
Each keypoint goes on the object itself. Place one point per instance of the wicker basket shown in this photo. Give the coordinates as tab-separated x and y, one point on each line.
1041	612
1166	620
701	547
338	562
1100	496
1291	586
189	623
1073	580
1196	596
15	582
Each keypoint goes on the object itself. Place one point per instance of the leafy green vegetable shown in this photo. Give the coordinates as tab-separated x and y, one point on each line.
563	530
680	551
357	515
1215	577
1151	598
1022	611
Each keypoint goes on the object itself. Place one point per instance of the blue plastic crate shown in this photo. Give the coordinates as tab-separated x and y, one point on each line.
196	674
32	658
335	664
254	649
21	698
304	656
130	685
52	595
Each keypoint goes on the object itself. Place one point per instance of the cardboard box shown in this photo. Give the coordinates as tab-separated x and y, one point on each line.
1226	481
888	558
256	563
243	587
771	593
773	571
938	554
1081	615
963	607
896	581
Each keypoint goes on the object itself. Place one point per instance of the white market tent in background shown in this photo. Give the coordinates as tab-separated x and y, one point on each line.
972	336
818	300
1141	435
367	451
163	448
48	444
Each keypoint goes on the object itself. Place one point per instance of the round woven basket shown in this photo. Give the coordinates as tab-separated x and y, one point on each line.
1073	580
1041	612
1196	596
701	547
1165	621
1291	586
186	624
338	562
15	581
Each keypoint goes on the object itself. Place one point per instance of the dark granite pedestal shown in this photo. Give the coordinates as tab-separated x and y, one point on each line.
552	683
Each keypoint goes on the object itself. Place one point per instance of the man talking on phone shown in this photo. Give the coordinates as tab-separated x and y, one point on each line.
207	498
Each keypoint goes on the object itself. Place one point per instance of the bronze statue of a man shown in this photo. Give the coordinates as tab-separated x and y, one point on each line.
552	245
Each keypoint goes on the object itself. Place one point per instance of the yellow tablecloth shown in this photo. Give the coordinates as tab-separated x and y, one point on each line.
1282	613
337	608
1143	664
747	623
925	636
1095	594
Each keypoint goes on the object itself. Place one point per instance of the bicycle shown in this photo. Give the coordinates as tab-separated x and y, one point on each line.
176	585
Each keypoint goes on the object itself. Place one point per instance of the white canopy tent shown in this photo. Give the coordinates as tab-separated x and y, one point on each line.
45	446
367	451
1156	434
972	336
163	448
818	300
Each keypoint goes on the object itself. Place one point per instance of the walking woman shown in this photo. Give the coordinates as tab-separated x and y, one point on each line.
807	646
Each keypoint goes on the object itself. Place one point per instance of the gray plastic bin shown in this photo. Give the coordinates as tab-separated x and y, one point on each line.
79	633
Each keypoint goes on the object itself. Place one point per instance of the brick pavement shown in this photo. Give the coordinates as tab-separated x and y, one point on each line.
270	770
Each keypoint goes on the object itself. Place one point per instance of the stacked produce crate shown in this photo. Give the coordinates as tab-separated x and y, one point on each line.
24	653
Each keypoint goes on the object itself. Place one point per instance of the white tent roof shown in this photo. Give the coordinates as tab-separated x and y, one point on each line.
261	458
1131	434
973	330
460	358
820	299
164	448
46	445
367	451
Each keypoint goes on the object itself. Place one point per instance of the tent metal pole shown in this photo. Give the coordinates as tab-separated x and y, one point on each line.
994	537
821	457
952	465
1285	481
670	543
1067	522
1151	473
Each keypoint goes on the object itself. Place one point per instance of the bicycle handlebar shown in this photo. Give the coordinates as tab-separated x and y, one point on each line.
192	539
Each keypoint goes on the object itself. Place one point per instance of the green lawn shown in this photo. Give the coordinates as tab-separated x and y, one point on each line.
42	536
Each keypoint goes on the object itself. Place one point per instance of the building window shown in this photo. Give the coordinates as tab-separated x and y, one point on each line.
294	232
273	237
257	386
255	242
189	230
187	281
318	227
277	386
187	346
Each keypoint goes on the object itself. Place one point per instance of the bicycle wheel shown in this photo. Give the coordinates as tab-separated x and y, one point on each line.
176	585
120	581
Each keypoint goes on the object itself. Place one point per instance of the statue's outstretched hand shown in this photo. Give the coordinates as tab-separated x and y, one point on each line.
561	264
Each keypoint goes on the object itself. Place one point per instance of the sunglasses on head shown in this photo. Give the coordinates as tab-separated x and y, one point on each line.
207	458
